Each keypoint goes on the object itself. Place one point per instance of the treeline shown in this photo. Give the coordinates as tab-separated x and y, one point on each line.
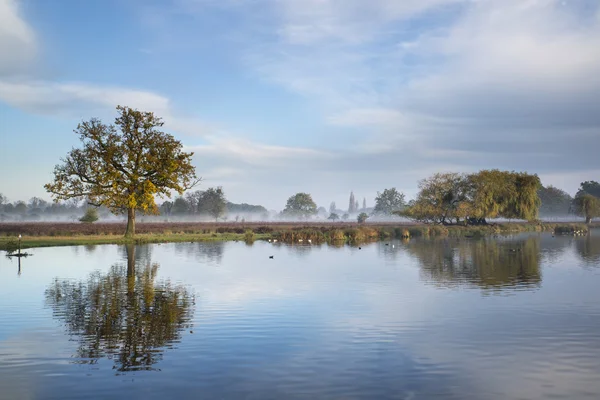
37	209
207	204
472	199
210	203
443	198
463	199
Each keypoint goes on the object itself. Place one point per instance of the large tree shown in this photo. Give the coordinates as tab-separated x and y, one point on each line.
124	166
389	201
300	205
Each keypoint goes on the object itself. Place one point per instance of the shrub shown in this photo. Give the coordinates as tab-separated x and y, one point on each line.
249	236
90	216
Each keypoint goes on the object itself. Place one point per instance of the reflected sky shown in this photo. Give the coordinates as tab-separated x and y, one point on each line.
514	317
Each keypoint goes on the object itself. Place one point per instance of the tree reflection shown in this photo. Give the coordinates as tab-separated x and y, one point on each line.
203	252
588	248
123	315
487	263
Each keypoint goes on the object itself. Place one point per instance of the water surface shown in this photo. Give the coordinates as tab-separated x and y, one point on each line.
506	318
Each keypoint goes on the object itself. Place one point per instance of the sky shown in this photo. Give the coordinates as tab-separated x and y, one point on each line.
276	97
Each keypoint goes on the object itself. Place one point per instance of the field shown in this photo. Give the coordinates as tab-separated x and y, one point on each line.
41	234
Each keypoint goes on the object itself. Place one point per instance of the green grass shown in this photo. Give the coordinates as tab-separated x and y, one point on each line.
7	243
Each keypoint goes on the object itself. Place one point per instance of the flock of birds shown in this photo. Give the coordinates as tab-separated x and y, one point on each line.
574	233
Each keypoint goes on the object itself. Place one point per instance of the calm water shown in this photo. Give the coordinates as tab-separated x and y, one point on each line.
510	318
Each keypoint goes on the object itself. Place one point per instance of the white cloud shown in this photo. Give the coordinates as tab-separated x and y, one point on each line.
41	97
17	40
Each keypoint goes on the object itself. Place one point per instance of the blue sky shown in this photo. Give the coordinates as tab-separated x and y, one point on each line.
322	96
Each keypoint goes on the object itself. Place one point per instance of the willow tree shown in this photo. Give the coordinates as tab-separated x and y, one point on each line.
124	166
587	206
447	198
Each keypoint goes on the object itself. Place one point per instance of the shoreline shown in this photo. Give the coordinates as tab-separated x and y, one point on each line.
51	234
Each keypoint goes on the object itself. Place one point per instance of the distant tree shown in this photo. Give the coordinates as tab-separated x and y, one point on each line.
21	208
388	202
166	207
589	187
194	200
37	203
9	208
345	216
364	203
245	208
587	206
2	200
124	166
300	205
333	217
351	204
322	212
362	217
554	201
90	216
213	202
332	208
180	206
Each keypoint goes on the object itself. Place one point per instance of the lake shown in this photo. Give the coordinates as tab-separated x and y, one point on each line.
498	318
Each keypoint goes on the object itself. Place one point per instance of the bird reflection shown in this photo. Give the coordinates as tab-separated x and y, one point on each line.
122	314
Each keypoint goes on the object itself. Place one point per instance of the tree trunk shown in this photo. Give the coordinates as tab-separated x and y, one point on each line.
130	232
130	249
588	220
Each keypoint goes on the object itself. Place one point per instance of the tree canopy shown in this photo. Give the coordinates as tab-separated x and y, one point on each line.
213	202
300	205
587	206
589	187
124	166
389	201
452	198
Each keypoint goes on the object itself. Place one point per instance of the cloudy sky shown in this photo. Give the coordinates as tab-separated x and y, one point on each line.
321	96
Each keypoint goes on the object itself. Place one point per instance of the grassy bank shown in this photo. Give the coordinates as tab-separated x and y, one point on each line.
27	242
56	234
